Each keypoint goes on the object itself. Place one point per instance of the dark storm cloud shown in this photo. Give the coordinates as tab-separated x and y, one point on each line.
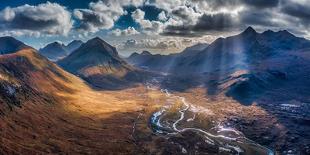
261	3
180	17
218	21
300	10
216	4
181	13
23	21
207	22
262	18
251	14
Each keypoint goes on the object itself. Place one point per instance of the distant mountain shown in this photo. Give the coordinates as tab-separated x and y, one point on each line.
54	51
193	49
10	45
146	53
240	51
99	63
162	63
224	54
249	67
72	46
151	62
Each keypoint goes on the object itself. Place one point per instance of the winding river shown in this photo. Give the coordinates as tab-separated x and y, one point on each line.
227	140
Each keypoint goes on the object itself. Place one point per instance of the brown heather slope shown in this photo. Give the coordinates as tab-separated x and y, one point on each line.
44	109
98	63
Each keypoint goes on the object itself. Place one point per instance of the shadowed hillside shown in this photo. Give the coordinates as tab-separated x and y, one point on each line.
56	51
10	45
162	63
99	64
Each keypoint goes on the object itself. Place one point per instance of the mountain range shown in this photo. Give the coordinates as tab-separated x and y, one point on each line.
245	67
266	69
56	51
99	63
224	53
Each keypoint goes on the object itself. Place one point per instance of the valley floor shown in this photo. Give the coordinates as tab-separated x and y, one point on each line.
117	122
81	120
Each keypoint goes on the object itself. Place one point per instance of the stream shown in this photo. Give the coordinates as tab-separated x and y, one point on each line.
222	140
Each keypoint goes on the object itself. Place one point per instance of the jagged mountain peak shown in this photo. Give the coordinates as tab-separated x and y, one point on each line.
75	42
96	40
98	45
268	32
249	31
7	37
99	63
9	44
286	33
95	52
73	45
56	43
146	53
54	51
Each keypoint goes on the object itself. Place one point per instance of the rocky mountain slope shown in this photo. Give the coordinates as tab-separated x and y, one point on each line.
99	63
11	45
56	51
46	110
73	45
240	51
162	63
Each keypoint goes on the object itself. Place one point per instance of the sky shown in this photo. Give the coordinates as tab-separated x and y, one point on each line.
159	26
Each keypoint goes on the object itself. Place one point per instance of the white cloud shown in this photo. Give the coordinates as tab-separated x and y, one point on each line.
162	16
138	15
148	27
135	3
167	5
126	32
100	15
186	15
47	18
163	45
7	15
103	14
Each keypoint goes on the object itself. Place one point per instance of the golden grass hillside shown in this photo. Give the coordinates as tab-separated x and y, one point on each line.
59	113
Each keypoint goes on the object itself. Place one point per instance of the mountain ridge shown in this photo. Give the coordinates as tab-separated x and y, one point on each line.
99	63
247	47
56	50
10	45
73	45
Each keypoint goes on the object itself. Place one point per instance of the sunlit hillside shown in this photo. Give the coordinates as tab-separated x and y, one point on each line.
44	109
